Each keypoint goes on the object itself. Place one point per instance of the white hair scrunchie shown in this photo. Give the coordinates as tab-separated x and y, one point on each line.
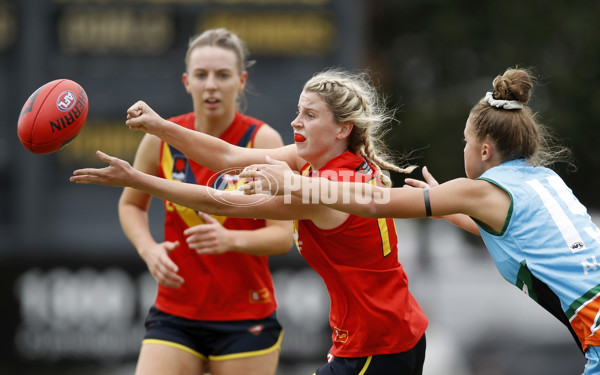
506	104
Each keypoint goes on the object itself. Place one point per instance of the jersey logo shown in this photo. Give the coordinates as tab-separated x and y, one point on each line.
340	335
256	330
260	296
179	168
560	216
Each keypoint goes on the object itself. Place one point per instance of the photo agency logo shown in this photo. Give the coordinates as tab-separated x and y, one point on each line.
361	188
357	187
226	182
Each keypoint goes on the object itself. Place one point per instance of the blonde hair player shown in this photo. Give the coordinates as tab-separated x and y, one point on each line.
539	235
214	284
377	325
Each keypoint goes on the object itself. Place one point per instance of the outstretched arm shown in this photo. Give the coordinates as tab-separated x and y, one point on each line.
460	220
213	238
197	197
477	198
356	198
211	152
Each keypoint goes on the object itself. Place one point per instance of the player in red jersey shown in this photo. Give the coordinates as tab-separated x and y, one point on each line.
377	326
538	233
215	305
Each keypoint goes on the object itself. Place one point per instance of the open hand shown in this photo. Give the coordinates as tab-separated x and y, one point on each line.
208	238
161	266
429	181
118	173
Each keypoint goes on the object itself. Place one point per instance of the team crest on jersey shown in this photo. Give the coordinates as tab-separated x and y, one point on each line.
179	168
340	335
260	296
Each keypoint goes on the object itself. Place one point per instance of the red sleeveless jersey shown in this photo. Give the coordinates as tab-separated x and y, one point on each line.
230	286
372	310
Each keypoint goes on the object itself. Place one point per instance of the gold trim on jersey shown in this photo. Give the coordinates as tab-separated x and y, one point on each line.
383	229
189	216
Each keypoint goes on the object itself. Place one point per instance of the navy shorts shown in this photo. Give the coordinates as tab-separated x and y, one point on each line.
409	362
214	340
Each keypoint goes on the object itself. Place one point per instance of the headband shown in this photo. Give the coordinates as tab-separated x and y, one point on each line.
506	104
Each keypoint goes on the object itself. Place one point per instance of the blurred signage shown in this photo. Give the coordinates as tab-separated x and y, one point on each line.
115	30
80	312
270	28
8	25
292	34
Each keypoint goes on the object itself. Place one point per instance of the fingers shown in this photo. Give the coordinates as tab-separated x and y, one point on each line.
250	171
429	177
93	171
83	179
166	273
204	243
105	157
416	183
170	246
80	175
166	270
252	187
200	236
133	114
209	225
198	229
136	110
247	188
167	277
430	181
208	219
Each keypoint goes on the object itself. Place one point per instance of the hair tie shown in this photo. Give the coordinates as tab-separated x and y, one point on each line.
506	104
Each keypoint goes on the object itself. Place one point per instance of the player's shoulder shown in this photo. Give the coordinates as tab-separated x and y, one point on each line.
183	119
267	137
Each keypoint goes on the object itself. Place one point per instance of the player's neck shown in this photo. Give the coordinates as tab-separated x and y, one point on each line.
214	126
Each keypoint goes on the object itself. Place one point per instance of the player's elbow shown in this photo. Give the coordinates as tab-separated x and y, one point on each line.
285	244
282	238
